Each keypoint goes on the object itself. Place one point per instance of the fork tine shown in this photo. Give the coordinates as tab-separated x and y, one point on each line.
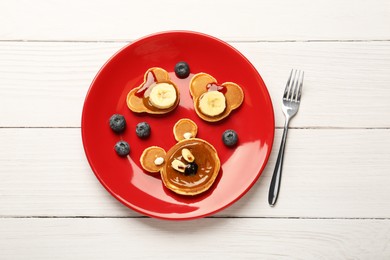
286	90
294	94
300	87
293	85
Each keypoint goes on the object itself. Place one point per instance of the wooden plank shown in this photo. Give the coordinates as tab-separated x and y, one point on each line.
346	84
205	238
328	173
44	84
230	20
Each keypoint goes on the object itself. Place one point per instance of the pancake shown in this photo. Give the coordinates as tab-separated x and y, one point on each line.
190	167
206	158
138	98
200	84
184	129
149	157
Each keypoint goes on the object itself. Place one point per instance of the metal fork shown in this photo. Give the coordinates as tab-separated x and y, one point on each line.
291	101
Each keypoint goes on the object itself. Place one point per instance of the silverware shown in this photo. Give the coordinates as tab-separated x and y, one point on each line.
291	101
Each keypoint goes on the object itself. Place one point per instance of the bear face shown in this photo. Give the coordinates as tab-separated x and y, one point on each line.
214	102
190	167
156	95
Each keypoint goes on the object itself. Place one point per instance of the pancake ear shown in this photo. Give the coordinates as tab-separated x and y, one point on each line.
234	95
185	129
198	84
160	74
149	156
135	103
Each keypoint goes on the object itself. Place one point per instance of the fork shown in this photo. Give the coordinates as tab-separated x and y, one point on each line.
291	101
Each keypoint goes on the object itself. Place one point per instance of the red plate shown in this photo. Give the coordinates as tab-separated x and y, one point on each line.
123	177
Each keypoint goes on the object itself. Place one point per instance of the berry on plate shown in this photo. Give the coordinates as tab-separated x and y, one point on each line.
143	130
230	137
122	148
117	123
182	70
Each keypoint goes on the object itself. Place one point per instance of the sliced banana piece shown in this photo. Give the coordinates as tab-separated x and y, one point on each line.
163	95
178	165
187	155
187	135
159	161
212	103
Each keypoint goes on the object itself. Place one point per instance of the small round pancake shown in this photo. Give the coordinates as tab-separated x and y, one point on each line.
149	155
184	127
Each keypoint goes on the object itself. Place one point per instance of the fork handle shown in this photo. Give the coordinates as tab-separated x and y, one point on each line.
277	175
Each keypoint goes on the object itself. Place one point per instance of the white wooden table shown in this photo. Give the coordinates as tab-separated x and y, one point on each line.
335	197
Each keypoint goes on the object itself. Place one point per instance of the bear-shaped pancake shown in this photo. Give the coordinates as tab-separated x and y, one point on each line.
190	167
156	95
212	101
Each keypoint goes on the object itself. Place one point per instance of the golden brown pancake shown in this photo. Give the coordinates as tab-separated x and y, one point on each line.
233	94
204	154
184	128
149	156
138	100
206	158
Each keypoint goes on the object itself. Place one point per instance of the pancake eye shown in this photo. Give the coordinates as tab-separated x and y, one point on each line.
187	155
178	165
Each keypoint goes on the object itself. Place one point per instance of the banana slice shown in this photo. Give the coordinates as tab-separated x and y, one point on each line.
212	103
163	96
178	165
187	155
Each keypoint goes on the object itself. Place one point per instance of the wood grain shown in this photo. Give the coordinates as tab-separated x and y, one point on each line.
346	84
205	238
328	173
230	20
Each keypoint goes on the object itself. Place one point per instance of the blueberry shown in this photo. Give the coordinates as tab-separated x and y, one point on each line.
122	148
117	123
182	70
142	130
229	137
191	169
